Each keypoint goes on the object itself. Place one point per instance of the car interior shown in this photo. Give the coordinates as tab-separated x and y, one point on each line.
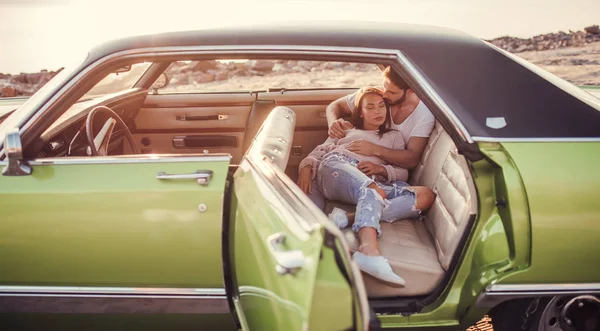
423	252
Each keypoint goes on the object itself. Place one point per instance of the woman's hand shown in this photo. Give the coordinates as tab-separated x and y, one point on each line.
370	168
305	179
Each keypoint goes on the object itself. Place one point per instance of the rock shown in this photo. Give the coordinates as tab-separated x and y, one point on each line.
21	78
520	48
260	65
278	67
594	29
221	75
298	68
239	73
548	41
8	92
201	77
206	65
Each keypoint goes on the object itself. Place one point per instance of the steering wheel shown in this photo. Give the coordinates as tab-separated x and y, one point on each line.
99	144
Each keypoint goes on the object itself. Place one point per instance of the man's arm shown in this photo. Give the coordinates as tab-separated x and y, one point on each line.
336	124
405	158
336	110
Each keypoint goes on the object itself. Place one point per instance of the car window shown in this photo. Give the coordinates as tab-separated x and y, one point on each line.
110	86
252	75
117	82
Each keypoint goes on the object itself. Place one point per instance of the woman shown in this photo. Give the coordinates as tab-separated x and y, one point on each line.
366	181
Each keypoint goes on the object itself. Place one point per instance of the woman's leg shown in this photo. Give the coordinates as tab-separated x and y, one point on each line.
406	202
368	211
346	183
316	196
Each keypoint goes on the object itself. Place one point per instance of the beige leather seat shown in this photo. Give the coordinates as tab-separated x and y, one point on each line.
421	251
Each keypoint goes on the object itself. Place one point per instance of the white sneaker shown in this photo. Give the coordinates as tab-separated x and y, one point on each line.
338	217
378	267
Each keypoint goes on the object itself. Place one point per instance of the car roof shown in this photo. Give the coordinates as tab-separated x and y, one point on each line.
480	84
314	33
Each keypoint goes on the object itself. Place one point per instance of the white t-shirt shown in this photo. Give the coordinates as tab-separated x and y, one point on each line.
418	124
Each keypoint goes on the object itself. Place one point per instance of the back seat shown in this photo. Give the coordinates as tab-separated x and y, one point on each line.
421	251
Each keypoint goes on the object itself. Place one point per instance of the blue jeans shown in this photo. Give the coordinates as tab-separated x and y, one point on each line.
339	179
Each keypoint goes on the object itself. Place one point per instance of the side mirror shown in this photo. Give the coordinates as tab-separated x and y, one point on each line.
123	69
14	154
160	82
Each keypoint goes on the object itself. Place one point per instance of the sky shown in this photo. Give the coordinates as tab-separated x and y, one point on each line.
49	34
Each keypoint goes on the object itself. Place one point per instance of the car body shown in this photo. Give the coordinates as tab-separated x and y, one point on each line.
203	225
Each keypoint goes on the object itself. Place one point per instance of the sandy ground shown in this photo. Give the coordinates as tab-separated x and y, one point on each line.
578	65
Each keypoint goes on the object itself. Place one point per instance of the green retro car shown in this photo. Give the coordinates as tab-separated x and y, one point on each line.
152	186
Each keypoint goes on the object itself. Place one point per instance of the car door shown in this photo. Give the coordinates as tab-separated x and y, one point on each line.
118	242
287	269
193	122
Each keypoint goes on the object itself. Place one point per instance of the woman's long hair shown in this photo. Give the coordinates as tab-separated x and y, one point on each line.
358	121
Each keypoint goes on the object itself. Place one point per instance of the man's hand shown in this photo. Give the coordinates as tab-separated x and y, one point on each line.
305	179
336	130
370	168
363	147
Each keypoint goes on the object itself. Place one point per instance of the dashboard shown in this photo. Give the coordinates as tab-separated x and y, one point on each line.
67	135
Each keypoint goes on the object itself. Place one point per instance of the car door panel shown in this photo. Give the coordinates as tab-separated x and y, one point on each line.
163	119
103	242
111	222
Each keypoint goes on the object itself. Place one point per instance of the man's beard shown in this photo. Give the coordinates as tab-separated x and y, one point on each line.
397	102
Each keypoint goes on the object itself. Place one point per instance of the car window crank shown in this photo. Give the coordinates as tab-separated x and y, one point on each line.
288	262
201	176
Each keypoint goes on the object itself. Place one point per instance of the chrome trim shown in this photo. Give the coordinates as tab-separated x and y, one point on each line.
203	177
179	142
269	173
537	140
132	159
439	102
496	294
112	300
65	290
288	262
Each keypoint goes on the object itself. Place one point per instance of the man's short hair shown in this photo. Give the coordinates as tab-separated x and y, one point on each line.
393	76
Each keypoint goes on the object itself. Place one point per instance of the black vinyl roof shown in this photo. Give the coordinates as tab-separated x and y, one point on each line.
474	79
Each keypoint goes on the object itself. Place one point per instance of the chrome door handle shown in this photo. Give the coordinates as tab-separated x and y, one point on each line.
201	176
288	262
201	118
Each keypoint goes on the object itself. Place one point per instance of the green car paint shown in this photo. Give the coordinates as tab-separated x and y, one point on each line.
325	313
533	191
112	225
267	299
562	182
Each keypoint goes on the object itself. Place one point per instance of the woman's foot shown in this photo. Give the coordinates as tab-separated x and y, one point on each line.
338	217
378	267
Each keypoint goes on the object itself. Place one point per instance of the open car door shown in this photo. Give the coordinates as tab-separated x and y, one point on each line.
287	269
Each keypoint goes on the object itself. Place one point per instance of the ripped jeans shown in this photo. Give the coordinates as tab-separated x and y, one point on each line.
339	179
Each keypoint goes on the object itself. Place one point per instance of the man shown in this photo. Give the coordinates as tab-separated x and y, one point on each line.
409	116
